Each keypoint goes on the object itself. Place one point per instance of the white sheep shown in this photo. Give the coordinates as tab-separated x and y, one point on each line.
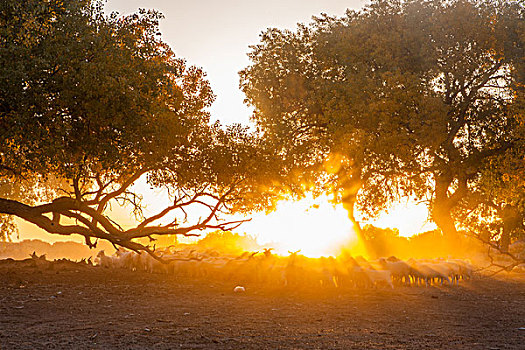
377	277
466	269
400	270
105	261
427	272
127	259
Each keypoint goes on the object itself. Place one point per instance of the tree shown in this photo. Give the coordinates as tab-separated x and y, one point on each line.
317	113
496	206
90	104
411	96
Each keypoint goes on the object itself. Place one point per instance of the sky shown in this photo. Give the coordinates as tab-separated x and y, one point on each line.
216	35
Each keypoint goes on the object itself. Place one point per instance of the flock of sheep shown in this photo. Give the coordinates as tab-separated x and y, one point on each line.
295	269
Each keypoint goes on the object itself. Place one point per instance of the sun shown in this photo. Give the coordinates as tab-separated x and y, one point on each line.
318	228
313	226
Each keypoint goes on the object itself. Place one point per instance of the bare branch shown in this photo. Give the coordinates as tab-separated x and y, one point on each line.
492	246
106	198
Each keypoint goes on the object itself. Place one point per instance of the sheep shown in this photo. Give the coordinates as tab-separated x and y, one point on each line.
444	272
152	265
292	274
105	261
270	269
455	270
355	275
213	267
466	270
400	270
127	260
427	272
328	272
377	277
194	268
40	261
242	268
294	270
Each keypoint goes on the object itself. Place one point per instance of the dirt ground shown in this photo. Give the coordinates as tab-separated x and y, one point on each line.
94	308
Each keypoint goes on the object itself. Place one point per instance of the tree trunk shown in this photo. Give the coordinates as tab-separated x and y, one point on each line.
442	207
443	219
349	205
350	187
511	221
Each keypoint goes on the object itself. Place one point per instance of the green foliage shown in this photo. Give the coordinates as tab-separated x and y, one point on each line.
402	98
497	205
93	91
7	227
90	103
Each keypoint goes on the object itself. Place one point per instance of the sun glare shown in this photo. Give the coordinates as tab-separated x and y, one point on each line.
409	218
315	227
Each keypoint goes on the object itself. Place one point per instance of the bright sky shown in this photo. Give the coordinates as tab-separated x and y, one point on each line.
216	35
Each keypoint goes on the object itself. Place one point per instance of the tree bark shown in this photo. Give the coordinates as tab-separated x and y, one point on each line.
442	207
90	223
349	206
350	187
511	221
442	216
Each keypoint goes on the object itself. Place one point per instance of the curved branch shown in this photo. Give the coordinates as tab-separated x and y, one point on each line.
101	204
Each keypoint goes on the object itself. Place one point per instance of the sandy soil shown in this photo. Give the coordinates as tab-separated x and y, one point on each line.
94	308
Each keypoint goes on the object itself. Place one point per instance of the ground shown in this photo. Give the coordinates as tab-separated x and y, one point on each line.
96	308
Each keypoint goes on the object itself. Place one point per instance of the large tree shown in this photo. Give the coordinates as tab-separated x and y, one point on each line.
90	104
495	209
411	97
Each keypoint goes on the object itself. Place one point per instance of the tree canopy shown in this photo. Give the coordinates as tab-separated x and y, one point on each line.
401	98
90	103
